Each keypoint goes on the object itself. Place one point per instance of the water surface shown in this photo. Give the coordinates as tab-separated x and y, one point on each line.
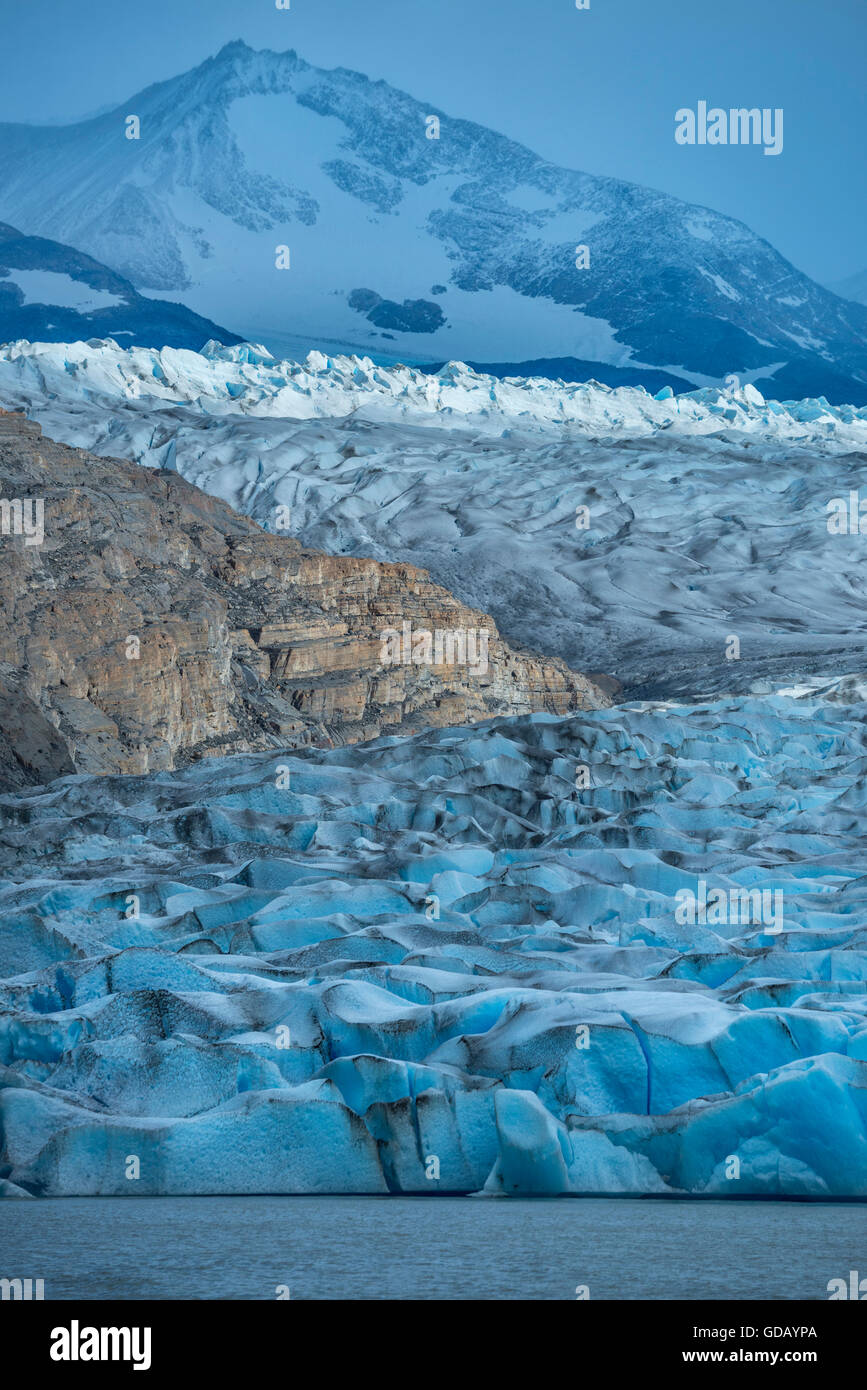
429	1248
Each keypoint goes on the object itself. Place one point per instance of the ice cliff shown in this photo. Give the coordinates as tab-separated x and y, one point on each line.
454	962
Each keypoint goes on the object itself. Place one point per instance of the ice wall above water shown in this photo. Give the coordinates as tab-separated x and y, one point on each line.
618	952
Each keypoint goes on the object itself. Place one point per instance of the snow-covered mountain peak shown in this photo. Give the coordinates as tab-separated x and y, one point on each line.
414	238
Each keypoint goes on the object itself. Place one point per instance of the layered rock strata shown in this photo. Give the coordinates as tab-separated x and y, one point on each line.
147	624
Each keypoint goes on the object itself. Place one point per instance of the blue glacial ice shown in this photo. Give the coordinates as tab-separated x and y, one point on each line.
619	952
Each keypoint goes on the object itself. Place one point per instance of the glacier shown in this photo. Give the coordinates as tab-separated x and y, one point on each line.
707	512
450	963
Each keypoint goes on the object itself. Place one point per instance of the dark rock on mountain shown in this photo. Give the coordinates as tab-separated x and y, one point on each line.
51	293
254	150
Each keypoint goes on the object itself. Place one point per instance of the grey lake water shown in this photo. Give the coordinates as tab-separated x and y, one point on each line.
429	1248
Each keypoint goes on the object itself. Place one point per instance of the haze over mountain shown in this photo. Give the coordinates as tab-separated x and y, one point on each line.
51	293
854	287
462	246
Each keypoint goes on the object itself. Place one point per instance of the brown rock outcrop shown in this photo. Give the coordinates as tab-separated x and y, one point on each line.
151	625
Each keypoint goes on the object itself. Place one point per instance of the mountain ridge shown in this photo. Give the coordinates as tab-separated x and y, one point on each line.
252	150
100	303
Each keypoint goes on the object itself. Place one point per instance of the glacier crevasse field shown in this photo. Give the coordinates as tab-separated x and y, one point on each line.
455	962
707	513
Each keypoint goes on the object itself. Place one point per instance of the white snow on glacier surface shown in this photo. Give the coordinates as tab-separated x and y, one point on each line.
434	964
246	379
707	511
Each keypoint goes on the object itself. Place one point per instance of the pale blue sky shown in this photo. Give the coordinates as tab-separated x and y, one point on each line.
594	90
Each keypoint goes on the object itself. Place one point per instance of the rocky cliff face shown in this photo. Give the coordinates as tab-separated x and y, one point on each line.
146	624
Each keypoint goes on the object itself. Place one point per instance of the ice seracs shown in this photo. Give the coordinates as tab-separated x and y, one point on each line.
246	380
432	964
